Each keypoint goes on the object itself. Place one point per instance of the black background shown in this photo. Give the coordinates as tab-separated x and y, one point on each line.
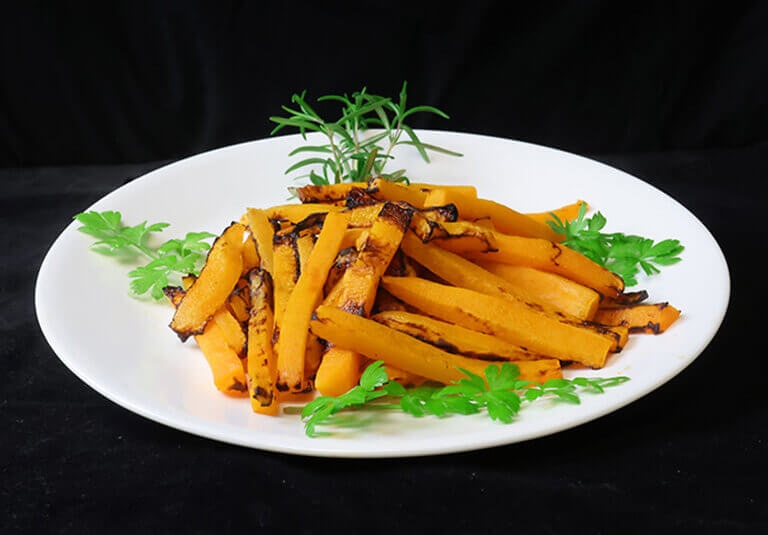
94	94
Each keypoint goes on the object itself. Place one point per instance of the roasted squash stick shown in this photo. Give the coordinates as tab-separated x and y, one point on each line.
305	296
651	319
339	370
326	193
461	272
226	367
211	289
398	349
507	319
553	258
505	219
298	212
304	245
549	289
453	338
467	191
262	232
384	190
564	213
262	368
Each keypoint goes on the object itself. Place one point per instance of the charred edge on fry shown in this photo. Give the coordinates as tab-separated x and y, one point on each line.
651	327
263	396
312	220
397	215
631	298
237	386
447	213
358	197
487	249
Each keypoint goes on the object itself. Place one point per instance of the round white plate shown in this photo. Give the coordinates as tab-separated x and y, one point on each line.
122	347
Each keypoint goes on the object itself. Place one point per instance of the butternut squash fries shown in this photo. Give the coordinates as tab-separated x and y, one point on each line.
407	353
427	278
339	370
305	296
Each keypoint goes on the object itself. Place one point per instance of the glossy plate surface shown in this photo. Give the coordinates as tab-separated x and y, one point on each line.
122	347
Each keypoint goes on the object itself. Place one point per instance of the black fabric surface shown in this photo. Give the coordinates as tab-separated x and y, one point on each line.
689	457
106	82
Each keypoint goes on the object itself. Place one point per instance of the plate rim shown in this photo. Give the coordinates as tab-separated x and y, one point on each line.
418	450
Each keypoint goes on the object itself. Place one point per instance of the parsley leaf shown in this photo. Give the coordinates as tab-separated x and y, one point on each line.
501	394
175	257
623	254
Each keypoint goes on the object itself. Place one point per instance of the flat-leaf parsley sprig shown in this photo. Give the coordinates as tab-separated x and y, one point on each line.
175	257
501	394
348	156
623	254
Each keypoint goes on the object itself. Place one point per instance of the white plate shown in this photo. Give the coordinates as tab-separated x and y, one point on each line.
123	348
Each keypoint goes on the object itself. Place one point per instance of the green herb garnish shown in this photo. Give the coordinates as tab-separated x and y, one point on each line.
348	157
175	257
623	254
501	394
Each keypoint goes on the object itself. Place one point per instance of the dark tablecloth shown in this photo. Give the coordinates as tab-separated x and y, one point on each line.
688	456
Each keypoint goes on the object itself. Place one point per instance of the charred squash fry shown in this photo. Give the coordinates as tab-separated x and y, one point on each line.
459	271
453	338
624	299
344	259
262	368
339	370
231	330
298	212
505	219
465	237
467	191
651	319
507	319
352	237
402	351
225	365
250	254
210	290
549	289
553	258
326	193
262	233
383	189
565	213
286	269
304	245
303	299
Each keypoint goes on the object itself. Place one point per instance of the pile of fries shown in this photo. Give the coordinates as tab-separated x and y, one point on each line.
426	278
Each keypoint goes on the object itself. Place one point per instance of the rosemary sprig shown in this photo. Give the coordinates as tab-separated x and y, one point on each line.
348	156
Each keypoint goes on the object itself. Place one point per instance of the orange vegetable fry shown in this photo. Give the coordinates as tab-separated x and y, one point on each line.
505	219
357	292
624	299
653	318
467	191
231	330
549	289
327	193
250	254
225	365
553	258
262	368
565	213
301	303
461	272
403	377
507	319
402	351
383	189
352	237
286	269
262	232
453	338
210	290
298	212
464	237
